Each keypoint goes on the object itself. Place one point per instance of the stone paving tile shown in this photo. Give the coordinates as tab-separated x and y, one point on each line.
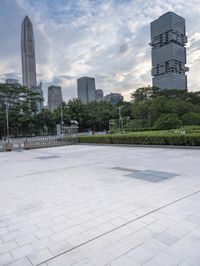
123	261
191	261
21	262
5	258
40	256
181	228
8	246
163	259
167	238
81	253
41	243
43	233
101	258
21	252
64	260
156	228
23	240
83	262
59	247
141	255
80	197
184	248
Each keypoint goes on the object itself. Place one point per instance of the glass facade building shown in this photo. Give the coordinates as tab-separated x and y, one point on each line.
168	40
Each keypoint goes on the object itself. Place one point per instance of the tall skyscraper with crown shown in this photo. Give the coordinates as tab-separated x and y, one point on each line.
28	54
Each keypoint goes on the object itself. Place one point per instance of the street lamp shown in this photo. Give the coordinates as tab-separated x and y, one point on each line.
120	117
61	117
7	118
121	126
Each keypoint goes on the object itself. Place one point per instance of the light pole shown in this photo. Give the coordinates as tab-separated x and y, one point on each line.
61	117
7	119
121	126
120	117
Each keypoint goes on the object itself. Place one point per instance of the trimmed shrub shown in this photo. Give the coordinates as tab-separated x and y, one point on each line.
145	138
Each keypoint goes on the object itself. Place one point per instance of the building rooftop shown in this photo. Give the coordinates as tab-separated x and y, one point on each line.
167	14
100	205
86	78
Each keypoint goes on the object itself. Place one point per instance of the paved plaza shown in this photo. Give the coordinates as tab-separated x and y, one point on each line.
100	205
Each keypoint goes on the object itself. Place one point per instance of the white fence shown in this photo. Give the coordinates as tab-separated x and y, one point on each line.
38	142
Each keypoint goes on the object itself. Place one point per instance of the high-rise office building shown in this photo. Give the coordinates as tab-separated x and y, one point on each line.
86	89
54	97
168	40
99	95
114	98
12	81
28	54
39	99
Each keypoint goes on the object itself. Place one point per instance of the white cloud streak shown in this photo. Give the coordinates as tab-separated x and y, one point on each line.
106	39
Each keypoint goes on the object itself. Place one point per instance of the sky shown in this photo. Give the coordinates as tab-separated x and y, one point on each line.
105	39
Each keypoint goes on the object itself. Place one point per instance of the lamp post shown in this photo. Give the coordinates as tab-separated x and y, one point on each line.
120	117
7	119
61	117
121	126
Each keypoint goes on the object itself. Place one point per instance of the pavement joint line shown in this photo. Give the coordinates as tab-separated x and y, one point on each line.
49	171
116	228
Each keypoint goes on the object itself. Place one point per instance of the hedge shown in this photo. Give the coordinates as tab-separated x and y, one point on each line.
144	138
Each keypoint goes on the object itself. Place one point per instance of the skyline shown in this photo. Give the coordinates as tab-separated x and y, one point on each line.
92	38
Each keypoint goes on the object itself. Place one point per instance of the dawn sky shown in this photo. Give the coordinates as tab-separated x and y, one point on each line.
105	39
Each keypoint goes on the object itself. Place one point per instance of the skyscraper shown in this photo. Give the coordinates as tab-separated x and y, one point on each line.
38	96
28	54
54	97
86	89
114	98
99	95
168	40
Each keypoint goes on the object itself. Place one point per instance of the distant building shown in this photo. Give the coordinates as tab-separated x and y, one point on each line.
12	81
99	95
28	54
86	89
38	96
168	40
114	98
54	97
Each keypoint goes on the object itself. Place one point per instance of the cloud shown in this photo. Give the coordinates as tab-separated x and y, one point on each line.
105	39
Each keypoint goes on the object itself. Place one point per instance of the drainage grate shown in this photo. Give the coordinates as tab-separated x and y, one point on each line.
152	176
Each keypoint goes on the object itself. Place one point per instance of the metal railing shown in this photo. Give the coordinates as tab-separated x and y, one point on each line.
38	142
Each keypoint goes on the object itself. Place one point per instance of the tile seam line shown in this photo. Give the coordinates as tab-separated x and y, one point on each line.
114	229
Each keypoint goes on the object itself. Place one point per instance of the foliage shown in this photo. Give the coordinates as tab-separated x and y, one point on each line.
150	108
191	118
144	93
167	121
21	105
137	124
144	138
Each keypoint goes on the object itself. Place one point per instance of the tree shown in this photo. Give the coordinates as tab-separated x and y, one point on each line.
144	93
167	121
191	118
20	104
45	122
